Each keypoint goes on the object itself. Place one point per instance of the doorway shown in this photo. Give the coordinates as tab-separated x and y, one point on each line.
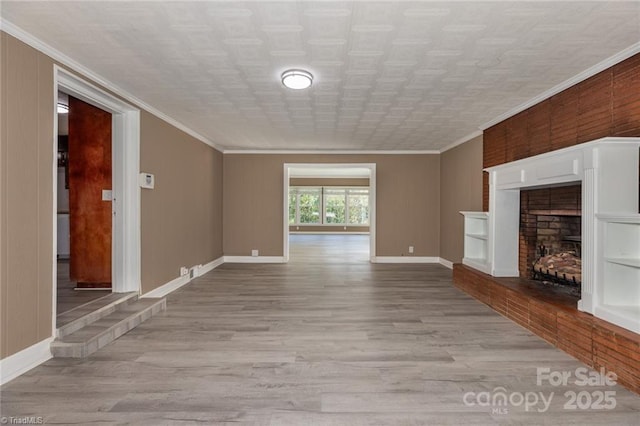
83	212
123	209
329	212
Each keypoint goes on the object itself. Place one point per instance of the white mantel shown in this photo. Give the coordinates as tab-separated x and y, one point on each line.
608	171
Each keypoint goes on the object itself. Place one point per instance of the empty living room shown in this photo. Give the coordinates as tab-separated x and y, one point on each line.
311	212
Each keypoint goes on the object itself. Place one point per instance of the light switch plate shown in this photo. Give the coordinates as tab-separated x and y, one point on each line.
146	180
107	195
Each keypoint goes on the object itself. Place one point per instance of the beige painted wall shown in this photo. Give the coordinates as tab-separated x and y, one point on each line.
408	194
26	206
461	177
181	218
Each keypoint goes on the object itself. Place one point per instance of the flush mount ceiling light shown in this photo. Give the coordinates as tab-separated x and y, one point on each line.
297	79
62	108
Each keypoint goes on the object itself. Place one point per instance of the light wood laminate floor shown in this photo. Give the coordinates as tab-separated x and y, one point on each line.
68	297
321	340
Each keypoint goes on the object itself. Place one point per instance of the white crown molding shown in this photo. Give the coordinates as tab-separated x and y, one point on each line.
23	361
332	152
60	57
461	141
589	72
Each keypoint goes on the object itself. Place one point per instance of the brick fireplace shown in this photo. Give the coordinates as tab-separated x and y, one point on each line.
549	217
592	187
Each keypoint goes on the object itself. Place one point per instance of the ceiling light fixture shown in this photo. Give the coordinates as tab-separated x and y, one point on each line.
62	108
297	79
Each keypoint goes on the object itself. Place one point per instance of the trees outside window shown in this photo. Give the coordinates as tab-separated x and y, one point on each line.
358	203
305	206
293	207
329	206
335	206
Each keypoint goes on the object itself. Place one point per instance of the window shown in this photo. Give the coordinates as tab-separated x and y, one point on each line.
358	204
335	206
329	206
304	205
293	207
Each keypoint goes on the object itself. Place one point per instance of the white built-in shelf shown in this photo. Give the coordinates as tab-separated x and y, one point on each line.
633	263
619	218
478	236
620	272
476	240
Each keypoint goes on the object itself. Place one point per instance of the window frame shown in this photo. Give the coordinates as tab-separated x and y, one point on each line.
323	205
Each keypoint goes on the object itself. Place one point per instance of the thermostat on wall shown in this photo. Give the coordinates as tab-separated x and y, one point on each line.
146	180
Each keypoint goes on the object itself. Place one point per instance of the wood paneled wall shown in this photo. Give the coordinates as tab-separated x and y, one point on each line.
607	104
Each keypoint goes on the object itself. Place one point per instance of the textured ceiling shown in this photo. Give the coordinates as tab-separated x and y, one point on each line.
388	75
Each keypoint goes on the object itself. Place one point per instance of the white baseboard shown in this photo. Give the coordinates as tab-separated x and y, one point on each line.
405	259
505	273
446	263
176	283
167	288
254	259
208	267
23	361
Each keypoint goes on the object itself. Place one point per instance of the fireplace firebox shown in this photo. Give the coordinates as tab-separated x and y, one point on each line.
550	235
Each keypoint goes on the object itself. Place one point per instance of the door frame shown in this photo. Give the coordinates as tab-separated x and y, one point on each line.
372	200
125	234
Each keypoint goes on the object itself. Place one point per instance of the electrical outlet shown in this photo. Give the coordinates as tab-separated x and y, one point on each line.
411	249
184	270
193	272
254	253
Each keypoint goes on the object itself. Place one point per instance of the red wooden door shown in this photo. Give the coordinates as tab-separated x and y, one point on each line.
89	175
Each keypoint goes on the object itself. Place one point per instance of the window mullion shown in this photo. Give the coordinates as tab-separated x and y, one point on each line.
323	205
346	206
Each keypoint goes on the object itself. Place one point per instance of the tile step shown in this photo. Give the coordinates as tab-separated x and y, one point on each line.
95	335
88	313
